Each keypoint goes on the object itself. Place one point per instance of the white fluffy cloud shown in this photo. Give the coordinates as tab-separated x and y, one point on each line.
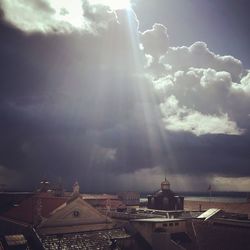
155	40
199	56
60	16
244	84
199	91
178	118
203	101
44	15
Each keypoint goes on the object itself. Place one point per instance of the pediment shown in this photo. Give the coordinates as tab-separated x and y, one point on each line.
77	212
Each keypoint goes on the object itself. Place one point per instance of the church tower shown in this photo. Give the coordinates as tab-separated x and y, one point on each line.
165	185
165	199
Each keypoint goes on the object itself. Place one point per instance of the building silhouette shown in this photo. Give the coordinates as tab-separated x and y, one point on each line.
165	199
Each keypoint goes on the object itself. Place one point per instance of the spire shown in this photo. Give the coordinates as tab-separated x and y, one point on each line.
76	188
76	192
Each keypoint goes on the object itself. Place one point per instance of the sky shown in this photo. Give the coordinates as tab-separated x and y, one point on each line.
119	94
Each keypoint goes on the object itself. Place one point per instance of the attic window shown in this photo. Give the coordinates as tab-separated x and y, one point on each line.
76	213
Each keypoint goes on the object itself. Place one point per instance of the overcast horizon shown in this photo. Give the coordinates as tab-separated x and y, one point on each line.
119	94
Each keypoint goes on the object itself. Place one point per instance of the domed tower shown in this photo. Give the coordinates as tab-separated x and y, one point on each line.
165	185
165	198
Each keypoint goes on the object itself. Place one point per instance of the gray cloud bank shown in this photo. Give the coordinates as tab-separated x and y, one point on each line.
86	95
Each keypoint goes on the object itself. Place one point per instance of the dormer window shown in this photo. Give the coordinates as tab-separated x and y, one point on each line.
76	213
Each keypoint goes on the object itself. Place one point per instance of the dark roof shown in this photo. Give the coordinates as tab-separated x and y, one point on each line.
162	193
211	236
158	220
27	208
180	238
89	240
9	199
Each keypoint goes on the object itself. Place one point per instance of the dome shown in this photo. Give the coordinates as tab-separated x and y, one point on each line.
165	185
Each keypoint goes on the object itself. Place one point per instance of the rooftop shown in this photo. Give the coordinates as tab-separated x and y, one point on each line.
209	213
157	220
91	241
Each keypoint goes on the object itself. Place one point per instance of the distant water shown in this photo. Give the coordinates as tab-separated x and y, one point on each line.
207	198
216	199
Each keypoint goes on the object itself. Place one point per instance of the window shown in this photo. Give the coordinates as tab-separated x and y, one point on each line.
76	213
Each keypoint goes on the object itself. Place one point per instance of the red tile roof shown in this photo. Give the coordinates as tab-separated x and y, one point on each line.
27	210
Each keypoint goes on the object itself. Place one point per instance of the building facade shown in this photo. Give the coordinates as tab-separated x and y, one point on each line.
165	199
130	198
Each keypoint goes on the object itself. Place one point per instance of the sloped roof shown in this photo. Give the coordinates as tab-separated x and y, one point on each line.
99	196
9	199
77	215
27	208
209	213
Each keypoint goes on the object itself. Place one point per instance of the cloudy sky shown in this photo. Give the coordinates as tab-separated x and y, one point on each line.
118	94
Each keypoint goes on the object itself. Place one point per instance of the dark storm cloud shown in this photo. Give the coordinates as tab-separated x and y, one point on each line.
55	89
211	154
84	105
